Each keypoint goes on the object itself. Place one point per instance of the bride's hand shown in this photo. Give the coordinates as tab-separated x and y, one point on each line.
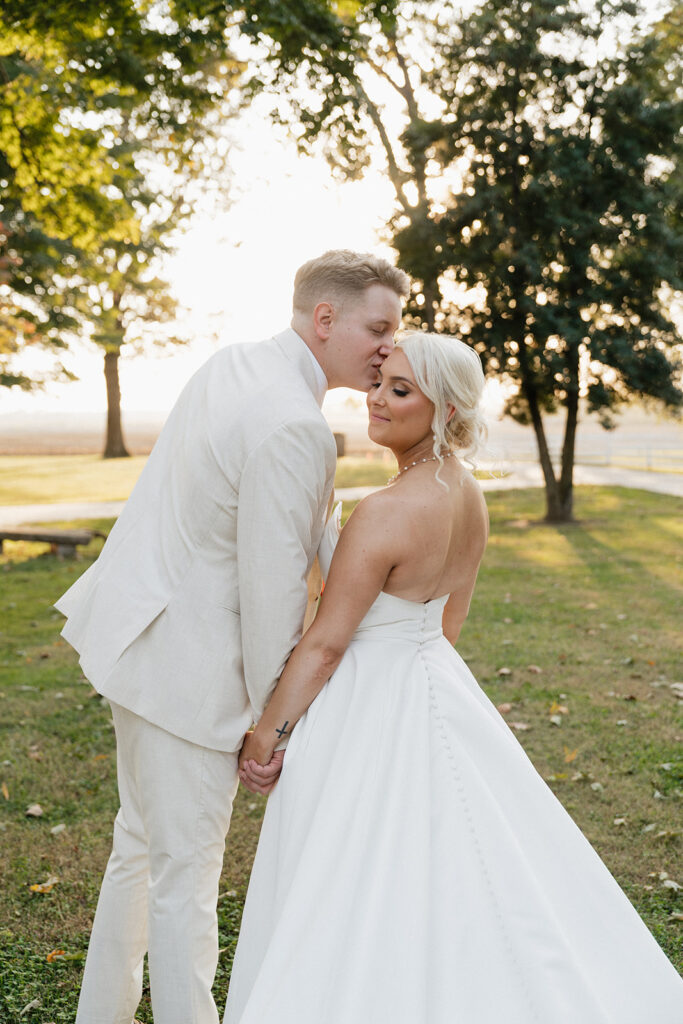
259	768
253	749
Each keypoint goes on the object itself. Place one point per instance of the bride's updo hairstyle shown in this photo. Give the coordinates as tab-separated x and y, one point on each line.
449	372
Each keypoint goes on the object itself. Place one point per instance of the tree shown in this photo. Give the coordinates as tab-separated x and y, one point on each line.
127	302
560	228
536	198
90	102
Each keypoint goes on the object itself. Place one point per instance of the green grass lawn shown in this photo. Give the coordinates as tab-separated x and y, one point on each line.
38	479
583	619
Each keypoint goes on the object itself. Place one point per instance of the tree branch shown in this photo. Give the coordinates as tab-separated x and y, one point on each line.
395	173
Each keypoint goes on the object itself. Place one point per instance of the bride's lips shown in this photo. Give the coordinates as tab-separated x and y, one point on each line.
379	419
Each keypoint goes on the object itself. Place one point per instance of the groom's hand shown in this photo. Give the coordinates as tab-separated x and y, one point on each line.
259	778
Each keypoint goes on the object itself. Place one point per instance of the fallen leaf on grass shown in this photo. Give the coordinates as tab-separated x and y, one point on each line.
56	829
558	709
556	719
5	791
52	956
669	883
666	834
619	821
504	671
34	811
504	708
520	726
570	755
536	669
33	1005
100	757
46	886
597	787
676	916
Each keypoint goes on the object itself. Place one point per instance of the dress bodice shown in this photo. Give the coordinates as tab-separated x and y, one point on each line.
389	617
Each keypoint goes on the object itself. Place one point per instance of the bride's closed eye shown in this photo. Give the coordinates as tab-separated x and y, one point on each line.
396	391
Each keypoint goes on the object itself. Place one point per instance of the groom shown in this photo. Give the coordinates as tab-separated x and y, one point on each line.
186	619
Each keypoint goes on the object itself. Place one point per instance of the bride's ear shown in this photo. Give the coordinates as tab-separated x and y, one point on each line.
450	412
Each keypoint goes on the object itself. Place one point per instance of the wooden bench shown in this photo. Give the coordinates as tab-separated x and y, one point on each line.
64	542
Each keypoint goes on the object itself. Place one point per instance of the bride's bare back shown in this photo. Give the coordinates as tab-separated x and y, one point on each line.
415	540
440	536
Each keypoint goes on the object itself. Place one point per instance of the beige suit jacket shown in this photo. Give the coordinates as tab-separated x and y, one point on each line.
198	597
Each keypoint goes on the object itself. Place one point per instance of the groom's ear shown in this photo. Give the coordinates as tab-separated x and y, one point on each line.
323	315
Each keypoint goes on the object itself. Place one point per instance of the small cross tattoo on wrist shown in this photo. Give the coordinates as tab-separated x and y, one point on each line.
283	731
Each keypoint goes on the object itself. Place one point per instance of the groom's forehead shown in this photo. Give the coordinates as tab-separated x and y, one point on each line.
379	303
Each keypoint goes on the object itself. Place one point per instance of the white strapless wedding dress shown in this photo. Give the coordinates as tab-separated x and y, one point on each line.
414	868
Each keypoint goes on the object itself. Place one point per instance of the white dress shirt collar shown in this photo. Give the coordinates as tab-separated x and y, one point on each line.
296	349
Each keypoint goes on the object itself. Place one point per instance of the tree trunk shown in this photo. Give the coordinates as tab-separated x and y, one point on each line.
566	488
553	504
431	294
114	447
553	512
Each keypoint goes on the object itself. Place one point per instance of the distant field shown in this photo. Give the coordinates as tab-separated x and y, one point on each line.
39	479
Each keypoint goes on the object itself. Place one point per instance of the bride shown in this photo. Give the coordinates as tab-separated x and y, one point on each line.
413	868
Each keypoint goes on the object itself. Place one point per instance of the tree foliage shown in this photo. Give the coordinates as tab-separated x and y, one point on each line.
537	198
88	94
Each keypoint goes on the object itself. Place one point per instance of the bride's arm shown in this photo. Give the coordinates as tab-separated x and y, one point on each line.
364	557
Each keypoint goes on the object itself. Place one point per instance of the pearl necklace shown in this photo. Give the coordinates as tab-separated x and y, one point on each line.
418	462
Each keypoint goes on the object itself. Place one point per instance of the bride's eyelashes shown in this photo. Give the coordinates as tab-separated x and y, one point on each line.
396	391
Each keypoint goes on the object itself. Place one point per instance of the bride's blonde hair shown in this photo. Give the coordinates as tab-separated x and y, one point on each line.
449	372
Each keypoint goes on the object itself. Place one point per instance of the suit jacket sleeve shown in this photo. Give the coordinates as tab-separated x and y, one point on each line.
283	493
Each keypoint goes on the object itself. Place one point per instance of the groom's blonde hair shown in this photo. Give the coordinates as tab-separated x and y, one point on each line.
341	274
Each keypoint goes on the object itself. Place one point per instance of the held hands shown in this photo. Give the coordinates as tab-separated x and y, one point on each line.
259	768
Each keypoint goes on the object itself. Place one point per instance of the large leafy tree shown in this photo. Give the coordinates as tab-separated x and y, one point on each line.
91	99
532	155
559	234
69	80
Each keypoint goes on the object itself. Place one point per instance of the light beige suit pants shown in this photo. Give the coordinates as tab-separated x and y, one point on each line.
161	883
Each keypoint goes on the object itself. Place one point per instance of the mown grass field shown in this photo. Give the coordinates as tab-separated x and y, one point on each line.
573	631
37	479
